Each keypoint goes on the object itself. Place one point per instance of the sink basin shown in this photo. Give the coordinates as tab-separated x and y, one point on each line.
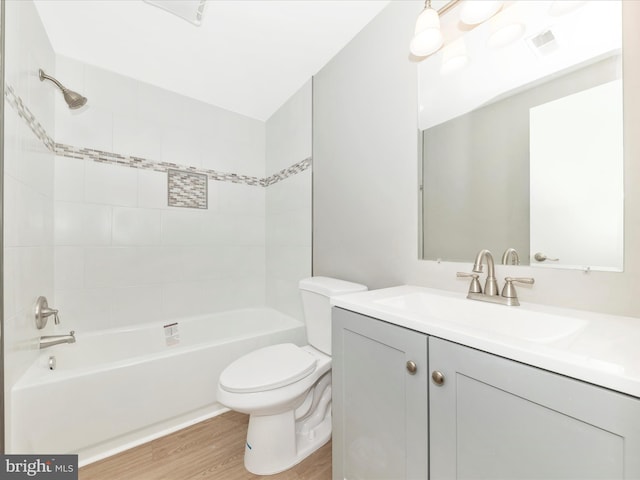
529	325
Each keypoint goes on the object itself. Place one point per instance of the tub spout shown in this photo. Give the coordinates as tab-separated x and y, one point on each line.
51	340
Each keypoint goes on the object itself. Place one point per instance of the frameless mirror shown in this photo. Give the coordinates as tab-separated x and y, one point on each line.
521	121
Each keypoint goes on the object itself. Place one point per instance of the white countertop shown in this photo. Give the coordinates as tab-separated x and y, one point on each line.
596	348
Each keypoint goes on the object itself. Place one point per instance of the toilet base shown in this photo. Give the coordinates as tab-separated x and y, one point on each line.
276	443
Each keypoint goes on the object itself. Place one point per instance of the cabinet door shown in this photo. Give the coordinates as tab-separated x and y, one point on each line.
494	418
379	407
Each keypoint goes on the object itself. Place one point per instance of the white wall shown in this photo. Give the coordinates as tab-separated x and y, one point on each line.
365	150
122	256
289	203
366	164
28	194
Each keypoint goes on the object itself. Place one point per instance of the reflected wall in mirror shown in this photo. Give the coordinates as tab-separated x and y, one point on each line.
522	140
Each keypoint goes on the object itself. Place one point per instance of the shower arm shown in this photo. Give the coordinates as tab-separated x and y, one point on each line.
44	76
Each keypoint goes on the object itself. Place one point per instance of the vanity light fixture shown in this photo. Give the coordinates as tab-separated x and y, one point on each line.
427	37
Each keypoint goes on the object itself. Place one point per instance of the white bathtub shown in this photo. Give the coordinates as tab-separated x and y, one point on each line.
114	389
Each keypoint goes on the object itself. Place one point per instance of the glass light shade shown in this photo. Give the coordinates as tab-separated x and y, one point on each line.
505	35
506	27
454	57
477	11
561	7
428	37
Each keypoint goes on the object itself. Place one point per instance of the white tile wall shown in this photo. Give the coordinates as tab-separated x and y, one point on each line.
69	179
82	224
181	146
152	189
136	226
111	185
69	268
137	137
136	304
117	241
90	127
28	197
288	204
240	199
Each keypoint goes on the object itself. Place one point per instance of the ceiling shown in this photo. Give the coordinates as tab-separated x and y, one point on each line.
247	56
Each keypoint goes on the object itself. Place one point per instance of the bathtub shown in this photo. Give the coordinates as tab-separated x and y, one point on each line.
115	389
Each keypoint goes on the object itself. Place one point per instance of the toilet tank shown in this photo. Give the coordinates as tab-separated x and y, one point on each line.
315	293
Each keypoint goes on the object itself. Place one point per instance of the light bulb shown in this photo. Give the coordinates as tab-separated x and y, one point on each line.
428	37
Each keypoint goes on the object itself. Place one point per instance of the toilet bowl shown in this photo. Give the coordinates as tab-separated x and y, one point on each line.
285	388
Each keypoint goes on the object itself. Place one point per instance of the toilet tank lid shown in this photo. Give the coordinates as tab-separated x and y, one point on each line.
330	287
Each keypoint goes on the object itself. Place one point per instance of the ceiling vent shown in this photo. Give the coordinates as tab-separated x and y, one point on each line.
544	43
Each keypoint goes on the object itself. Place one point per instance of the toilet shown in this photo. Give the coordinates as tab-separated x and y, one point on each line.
286	389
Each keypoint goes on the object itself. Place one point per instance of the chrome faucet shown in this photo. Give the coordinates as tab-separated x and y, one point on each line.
51	340
491	284
510	257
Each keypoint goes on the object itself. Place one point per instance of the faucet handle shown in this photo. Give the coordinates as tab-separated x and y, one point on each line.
475	283
527	280
42	311
509	291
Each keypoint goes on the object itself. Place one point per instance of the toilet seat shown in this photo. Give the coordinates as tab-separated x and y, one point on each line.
267	368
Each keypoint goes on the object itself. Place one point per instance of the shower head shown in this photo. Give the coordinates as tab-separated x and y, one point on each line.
73	99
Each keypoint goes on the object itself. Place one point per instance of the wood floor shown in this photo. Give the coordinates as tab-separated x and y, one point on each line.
212	449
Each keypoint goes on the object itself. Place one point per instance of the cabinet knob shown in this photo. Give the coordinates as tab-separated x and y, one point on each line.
437	377
412	368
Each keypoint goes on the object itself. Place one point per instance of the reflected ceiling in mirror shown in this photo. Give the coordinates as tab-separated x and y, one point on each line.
487	100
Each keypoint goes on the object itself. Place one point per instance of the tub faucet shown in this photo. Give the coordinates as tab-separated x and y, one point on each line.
491	284
51	340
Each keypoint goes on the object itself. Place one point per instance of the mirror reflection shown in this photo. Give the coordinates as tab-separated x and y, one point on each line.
521	120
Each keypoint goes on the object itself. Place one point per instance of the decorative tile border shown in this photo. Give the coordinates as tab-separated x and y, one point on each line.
23	112
287	172
111	158
187	189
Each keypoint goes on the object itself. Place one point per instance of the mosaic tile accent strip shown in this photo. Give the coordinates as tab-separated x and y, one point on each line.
111	158
287	172
187	189
23	112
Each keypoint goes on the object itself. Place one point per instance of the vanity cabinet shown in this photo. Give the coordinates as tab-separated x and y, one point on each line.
494	418
468	414
379	399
